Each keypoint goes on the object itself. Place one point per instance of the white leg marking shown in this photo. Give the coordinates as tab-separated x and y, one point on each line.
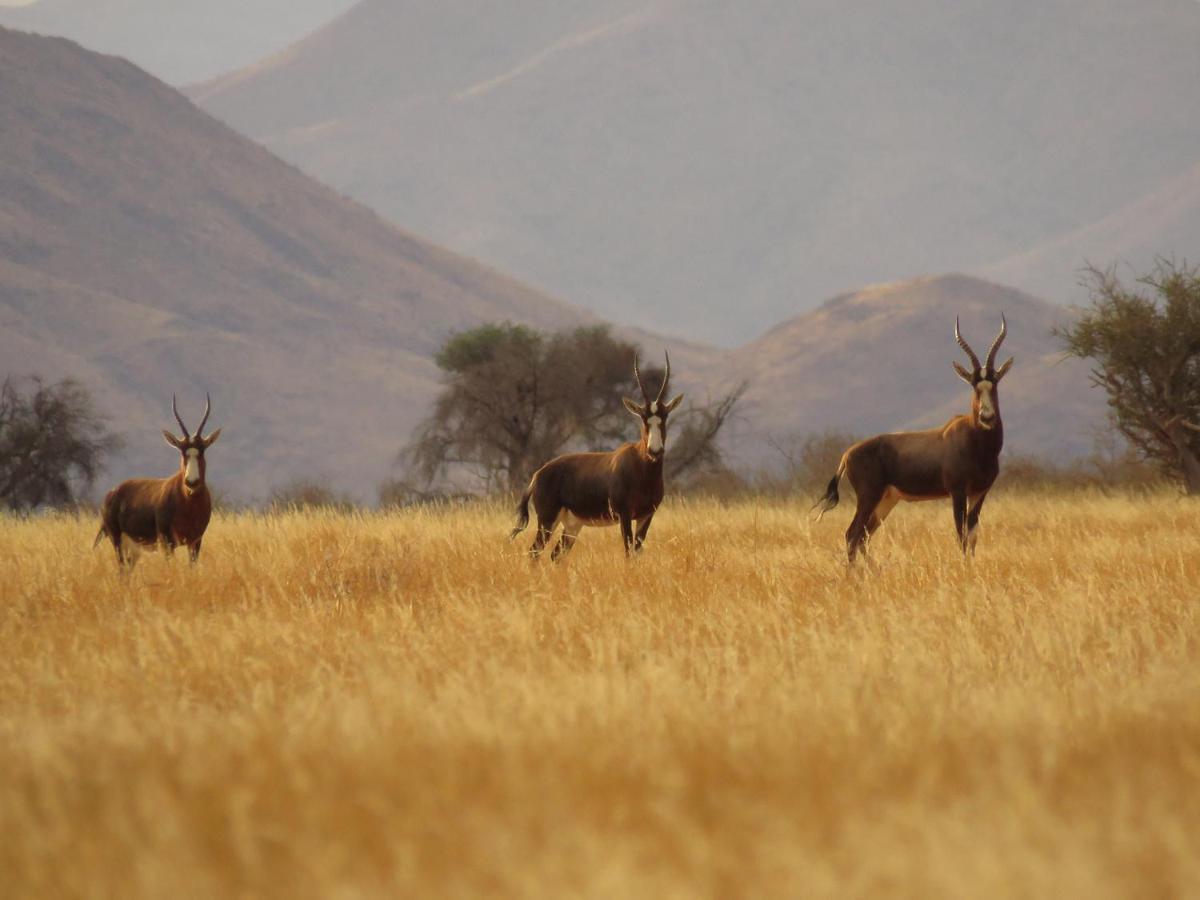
131	549
572	525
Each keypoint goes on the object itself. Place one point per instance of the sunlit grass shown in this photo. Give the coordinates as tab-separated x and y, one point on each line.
334	704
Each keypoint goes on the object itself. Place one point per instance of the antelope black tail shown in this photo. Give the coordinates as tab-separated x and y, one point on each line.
522	513
99	537
830	498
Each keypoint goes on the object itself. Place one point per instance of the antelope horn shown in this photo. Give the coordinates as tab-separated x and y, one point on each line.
966	347
207	410
638	376
666	379
991	357
178	418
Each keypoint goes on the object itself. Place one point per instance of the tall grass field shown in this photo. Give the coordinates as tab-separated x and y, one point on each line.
401	704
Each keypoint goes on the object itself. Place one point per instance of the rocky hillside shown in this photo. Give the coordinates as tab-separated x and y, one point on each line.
879	359
148	249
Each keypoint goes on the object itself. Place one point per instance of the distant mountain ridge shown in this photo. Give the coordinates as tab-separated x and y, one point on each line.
651	159
148	249
878	359
179	41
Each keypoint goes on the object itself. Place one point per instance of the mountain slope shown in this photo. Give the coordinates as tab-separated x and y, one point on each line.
179	42
658	158
148	249
879	360
1165	222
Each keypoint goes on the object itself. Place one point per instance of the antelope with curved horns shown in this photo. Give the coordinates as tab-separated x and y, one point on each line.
623	486
960	460
167	511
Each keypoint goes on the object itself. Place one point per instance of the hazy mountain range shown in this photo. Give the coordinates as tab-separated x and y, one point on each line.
878	359
179	41
148	249
709	168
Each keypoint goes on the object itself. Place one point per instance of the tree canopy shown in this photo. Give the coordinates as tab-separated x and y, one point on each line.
1145	348
515	398
52	443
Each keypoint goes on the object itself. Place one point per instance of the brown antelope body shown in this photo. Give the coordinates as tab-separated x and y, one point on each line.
624	486
960	460
163	511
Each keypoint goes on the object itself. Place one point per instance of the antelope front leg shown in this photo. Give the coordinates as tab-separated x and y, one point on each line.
960	518
643	527
194	551
973	523
627	532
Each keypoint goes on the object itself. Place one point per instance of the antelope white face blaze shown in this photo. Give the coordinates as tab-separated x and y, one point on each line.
191	472
654	439
987	409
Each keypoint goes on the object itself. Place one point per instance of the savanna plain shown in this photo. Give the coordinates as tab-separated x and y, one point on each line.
336	704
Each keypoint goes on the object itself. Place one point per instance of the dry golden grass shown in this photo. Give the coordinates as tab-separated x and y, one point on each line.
345	706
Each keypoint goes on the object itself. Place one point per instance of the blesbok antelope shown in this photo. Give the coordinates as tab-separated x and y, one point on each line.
620	487
167	511
960	460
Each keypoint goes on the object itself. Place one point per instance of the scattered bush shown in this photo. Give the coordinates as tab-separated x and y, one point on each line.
303	493
398	493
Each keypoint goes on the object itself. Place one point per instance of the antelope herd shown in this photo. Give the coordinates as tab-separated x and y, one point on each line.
625	487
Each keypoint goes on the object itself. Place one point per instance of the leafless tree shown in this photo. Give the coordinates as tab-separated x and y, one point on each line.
807	461
695	451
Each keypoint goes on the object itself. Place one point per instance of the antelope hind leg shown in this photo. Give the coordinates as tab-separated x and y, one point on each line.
570	533
544	533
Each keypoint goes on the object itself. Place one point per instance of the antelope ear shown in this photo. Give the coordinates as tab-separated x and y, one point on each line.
212	439
172	440
963	374
1003	370
674	403
632	407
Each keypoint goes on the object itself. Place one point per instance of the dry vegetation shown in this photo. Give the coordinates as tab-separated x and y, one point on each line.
344	705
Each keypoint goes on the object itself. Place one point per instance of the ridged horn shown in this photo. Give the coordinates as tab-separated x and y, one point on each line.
666	379
638	376
991	356
966	347
179	418
207	410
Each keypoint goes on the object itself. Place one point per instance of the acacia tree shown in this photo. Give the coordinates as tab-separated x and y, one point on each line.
52	443
1145	347
515	398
